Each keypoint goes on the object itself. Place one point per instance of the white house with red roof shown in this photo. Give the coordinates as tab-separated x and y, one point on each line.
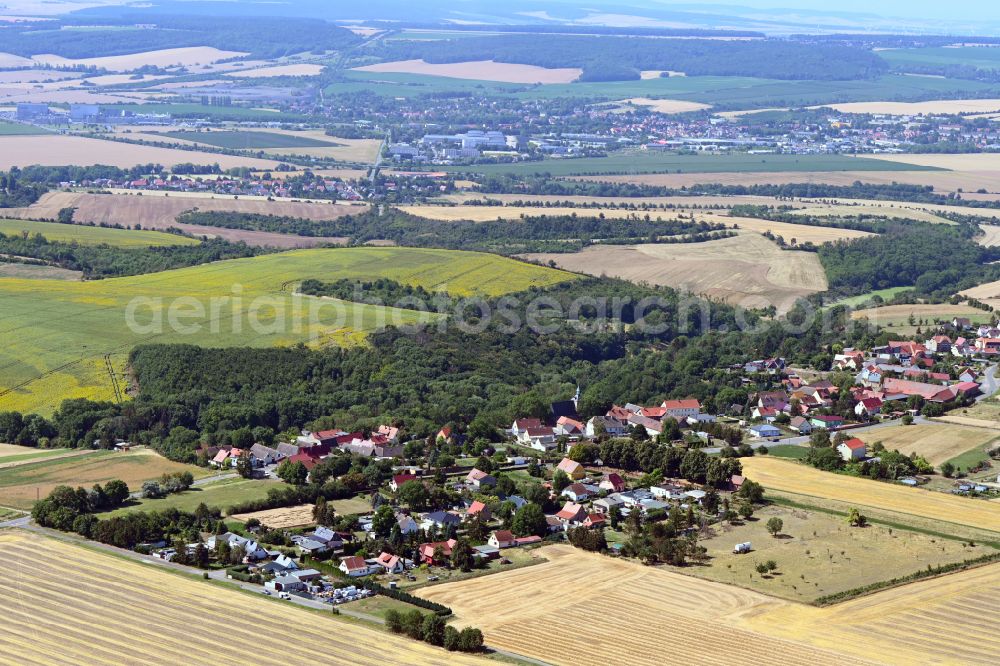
522	425
681	409
571	514
852	449
355	566
868	407
392	564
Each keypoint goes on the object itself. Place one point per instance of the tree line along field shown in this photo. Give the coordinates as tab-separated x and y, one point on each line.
21	485
220	494
249	139
86	235
797	479
651	162
160	212
69	604
58	333
659	615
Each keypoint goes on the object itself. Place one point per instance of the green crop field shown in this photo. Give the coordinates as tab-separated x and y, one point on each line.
728	92
17	129
982	57
219	494
85	235
67	339
885	294
241	139
636	162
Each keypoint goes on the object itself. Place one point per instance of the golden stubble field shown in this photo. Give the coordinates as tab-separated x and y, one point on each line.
746	269
155	211
896	318
935	442
915	108
283	518
800	479
55	150
480	70
988	293
654	616
20	485
973	177
191	56
64	604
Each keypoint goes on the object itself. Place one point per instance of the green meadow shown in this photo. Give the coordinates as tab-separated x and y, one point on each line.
639	162
60	337
729	92
86	235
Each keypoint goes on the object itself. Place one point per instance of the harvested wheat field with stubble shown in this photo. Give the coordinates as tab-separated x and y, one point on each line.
988	293
657	616
800	479
935	442
747	269
940	106
63	604
298	69
156	211
185	56
941	181
480	70
283	518
58	150
951	619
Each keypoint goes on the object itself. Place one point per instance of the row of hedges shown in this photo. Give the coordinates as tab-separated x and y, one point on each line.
929	572
402	595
